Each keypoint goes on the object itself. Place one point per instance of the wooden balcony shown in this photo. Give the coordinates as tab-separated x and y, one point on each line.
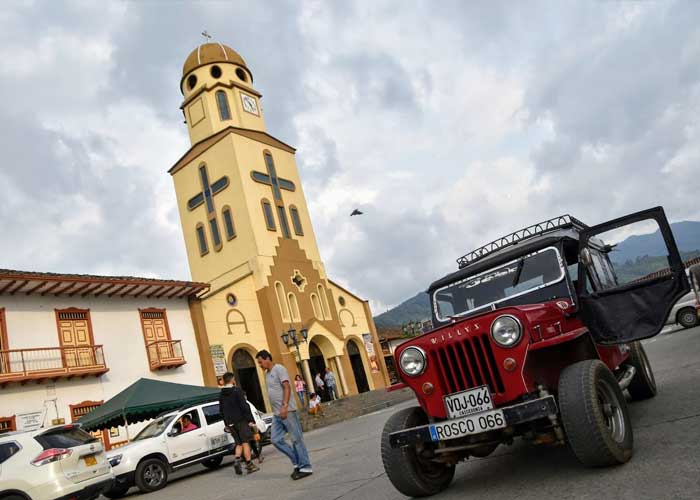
165	354
51	363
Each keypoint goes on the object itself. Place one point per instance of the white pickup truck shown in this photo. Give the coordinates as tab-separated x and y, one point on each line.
162	447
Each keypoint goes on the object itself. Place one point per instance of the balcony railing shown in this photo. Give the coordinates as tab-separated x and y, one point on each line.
165	354
21	365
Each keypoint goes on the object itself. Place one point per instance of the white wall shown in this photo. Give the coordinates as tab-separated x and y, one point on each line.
31	322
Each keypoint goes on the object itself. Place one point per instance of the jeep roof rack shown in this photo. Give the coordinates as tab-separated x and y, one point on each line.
563	221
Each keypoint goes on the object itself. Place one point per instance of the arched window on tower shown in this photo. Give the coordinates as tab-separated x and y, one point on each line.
222	102
201	239
296	222
316	306
215	235
228	223
293	307
324	302
282	301
269	215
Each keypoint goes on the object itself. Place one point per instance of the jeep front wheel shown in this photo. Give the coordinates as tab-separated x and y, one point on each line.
151	475
595	415
687	317
643	384
409	472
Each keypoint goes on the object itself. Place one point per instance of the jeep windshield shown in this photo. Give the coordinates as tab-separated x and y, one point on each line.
154	428
518	277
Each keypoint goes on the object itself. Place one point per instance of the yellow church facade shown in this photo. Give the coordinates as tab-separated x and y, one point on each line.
249	235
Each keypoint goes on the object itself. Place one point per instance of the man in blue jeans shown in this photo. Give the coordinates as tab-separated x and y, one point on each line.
286	420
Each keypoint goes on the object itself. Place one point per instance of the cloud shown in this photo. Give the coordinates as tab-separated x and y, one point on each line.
448	124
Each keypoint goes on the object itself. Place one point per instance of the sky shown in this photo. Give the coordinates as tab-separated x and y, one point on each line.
447	123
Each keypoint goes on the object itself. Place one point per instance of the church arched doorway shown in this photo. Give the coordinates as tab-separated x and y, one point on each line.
358	367
317	363
247	377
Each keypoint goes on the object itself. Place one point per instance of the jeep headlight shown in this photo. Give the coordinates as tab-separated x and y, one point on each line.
506	331
413	361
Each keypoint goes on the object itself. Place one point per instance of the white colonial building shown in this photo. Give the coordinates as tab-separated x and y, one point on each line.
70	342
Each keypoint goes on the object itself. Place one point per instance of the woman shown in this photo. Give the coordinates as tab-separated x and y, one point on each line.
300	387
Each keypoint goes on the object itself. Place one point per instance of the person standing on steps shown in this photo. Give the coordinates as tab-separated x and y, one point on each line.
320	386
238	419
300	388
285	420
330	385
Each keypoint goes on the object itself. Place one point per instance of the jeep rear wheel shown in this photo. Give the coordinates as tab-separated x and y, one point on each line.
410	473
687	317
151	475
595	414
643	384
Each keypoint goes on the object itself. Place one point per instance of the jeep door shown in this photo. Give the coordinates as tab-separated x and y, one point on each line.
183	445
630	276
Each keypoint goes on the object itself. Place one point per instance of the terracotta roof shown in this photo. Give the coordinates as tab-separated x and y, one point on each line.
33	283
390	333
209	53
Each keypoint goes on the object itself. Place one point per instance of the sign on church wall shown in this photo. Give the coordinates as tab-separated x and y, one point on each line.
218	358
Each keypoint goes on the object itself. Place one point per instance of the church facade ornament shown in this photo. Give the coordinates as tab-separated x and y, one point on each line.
298	280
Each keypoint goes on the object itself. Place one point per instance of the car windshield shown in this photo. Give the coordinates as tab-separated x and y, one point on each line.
515	278
154	428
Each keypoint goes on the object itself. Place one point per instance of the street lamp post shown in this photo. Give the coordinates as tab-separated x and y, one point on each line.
290	339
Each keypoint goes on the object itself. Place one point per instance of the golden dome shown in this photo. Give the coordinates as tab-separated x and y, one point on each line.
209	53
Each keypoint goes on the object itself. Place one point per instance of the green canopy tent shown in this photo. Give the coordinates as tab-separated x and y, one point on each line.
143	400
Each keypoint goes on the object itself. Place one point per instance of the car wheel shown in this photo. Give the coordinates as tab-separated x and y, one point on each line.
411	474
643	385
151	475
117	491
213	463
687	317
595	414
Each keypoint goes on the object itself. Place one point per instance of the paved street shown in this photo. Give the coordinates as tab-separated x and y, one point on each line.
666	464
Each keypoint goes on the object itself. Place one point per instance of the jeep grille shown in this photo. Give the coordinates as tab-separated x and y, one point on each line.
467	364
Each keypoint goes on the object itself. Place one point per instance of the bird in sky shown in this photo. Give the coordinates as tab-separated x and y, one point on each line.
355	212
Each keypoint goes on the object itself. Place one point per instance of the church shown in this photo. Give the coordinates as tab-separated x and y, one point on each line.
249	236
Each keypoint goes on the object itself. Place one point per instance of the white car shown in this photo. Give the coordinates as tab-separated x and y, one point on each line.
56	463
162	447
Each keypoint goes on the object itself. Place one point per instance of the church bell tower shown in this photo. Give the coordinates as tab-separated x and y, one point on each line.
248	234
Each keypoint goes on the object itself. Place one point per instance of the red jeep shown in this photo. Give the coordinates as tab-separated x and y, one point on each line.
537	335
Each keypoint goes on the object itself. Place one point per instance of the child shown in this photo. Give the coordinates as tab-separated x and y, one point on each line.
300	388
315	407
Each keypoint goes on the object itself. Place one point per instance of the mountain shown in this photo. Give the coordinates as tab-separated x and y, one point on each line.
414	309
686	233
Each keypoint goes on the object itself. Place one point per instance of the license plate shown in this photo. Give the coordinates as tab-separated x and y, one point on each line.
218	441
461	404
90	460
466	426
